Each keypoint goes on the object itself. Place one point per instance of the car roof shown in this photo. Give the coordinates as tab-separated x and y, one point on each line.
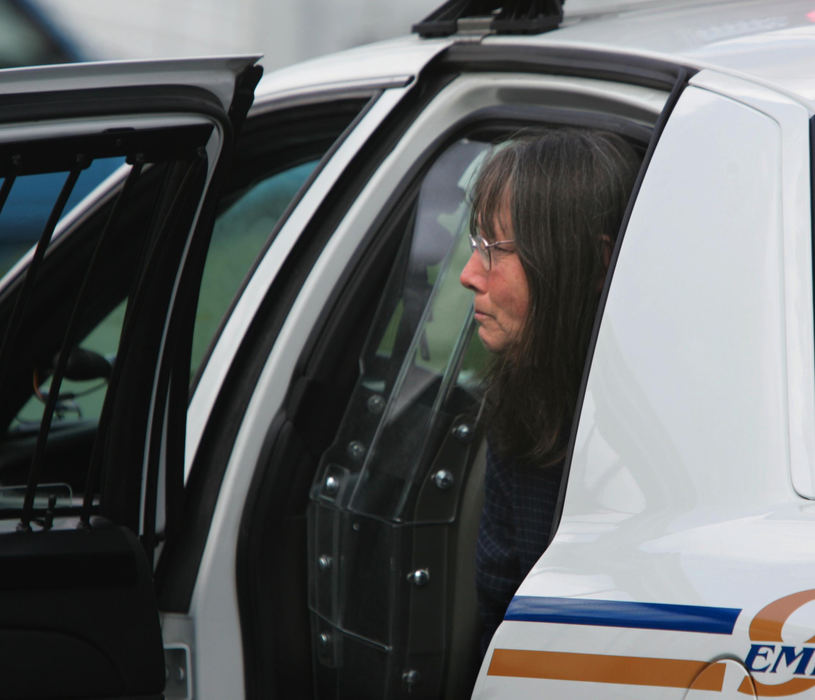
769	42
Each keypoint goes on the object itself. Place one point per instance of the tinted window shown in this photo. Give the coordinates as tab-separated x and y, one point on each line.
26	211
77	290
274	160
240	233
276	156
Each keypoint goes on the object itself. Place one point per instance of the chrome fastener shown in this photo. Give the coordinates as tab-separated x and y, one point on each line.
356	450
420	577
376	404
411	677
463	432
443	479
331	485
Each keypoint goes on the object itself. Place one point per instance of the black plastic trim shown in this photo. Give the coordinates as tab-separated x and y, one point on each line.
812	202
585	63
505	16
59	154
94	102
522	114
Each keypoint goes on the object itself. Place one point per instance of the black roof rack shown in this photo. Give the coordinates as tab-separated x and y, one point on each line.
508	16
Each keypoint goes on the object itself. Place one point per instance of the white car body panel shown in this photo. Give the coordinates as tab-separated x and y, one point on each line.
792	118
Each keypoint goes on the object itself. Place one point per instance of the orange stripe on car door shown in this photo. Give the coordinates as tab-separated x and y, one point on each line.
601	668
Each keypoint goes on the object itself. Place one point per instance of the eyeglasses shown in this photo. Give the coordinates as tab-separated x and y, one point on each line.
484	249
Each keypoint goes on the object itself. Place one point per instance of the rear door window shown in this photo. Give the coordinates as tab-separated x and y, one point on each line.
274	160
277	155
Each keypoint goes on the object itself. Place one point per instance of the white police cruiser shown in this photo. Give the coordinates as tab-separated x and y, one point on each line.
281	489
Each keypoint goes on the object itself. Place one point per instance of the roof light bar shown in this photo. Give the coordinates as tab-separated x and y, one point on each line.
508	17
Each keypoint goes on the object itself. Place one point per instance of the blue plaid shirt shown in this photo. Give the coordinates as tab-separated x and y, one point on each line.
519	503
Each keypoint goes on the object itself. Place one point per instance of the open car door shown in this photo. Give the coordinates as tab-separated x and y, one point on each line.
91	443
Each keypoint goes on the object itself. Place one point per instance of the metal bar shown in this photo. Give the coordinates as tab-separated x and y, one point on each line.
156	432
15	318
62	359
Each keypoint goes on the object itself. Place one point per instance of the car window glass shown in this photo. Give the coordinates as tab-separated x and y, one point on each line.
276	156
63	314
29	203
82	399
241	230
266	177
420	371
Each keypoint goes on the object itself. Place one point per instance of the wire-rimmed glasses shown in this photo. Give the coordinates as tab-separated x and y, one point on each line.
479	243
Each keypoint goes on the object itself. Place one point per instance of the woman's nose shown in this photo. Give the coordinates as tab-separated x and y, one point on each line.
473	276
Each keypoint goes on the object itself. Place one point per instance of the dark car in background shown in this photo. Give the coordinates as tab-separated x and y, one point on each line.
29	38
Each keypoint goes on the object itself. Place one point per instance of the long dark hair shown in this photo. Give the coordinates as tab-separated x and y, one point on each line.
567	190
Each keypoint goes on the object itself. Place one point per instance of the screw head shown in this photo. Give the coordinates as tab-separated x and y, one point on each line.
325	639
411	677
463	432
324	562
356	450
331	485
419	578
443	479
376	404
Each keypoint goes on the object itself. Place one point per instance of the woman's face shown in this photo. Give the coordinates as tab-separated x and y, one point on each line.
501	293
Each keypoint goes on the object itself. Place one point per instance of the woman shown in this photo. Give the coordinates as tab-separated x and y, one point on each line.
545	212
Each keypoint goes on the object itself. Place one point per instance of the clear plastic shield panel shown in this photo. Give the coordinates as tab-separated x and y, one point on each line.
385	499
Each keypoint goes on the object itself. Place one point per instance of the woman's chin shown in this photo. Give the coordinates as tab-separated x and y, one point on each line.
492	341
